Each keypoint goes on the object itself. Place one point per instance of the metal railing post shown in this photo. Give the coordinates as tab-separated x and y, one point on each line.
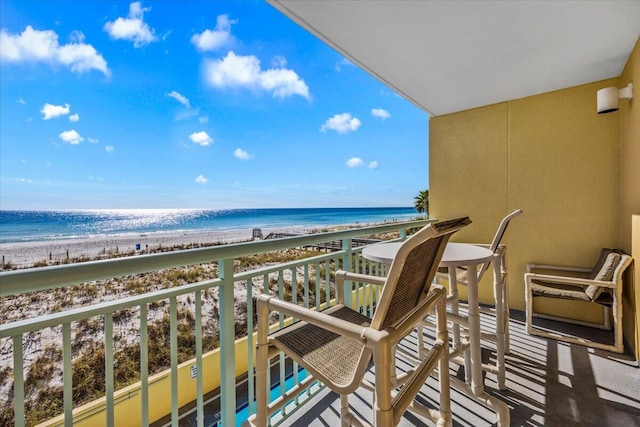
199	379
144	365
173	338
18	385
347	246
227	344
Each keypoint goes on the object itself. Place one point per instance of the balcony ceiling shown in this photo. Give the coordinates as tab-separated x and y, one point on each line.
448	56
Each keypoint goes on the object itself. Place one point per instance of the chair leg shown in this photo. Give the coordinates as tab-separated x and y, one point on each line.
606	317
420	334
528	296
443	366
382	408
261	389
617	322
505	307
394	376
344	410
454	304
467	367
500	321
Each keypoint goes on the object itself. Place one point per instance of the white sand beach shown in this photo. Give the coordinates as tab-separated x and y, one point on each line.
25	254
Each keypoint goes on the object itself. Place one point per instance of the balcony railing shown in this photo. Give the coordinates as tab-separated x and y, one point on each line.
306	281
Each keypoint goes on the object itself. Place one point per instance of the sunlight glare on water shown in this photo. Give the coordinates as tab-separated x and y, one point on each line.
23	226
119	220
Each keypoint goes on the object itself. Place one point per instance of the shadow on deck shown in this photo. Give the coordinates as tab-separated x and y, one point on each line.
549	383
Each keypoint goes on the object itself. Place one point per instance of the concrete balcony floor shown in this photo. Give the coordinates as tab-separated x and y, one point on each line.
549	383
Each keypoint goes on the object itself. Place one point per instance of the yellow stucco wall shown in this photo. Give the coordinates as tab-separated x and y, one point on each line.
575	174
630	195
631	297
630	148
550	155
127	400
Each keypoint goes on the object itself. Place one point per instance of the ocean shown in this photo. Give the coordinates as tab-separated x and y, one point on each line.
32	226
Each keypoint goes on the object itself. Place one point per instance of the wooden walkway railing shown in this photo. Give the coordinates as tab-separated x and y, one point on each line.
334	245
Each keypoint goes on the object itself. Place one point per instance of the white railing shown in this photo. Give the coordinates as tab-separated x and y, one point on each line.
313	275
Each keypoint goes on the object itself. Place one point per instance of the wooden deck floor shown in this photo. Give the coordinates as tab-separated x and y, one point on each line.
549	383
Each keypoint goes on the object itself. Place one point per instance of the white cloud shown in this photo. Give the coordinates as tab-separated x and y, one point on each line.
341	123
201	138
50	111
241	154
344	63
82	57
74	117
283	83
24	180
201	179
109	149
72	137
42	46
245	71
185	114
354	162
93	140
188	112
220	36
203	119
373	165
132	27
380	113
21	101
180	98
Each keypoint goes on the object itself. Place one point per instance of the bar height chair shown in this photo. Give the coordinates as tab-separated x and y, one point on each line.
501	290
338	345
460	275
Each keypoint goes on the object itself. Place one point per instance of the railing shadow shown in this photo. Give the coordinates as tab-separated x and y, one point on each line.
549	383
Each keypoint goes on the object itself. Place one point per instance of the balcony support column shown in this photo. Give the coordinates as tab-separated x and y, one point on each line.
227	344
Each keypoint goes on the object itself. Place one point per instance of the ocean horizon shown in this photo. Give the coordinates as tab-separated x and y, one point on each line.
35	225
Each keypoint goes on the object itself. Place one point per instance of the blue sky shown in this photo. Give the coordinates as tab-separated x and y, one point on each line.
215	104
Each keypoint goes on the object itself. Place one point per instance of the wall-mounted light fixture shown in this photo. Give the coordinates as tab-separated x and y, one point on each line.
608	98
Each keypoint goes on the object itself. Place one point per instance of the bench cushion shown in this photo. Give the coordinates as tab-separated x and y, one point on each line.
605	274
604	253
556	290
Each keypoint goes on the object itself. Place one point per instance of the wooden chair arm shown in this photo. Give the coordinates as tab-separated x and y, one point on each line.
531	267
565	280
342	275
318	318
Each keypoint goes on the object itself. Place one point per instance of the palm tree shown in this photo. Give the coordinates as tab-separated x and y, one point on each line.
421	202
